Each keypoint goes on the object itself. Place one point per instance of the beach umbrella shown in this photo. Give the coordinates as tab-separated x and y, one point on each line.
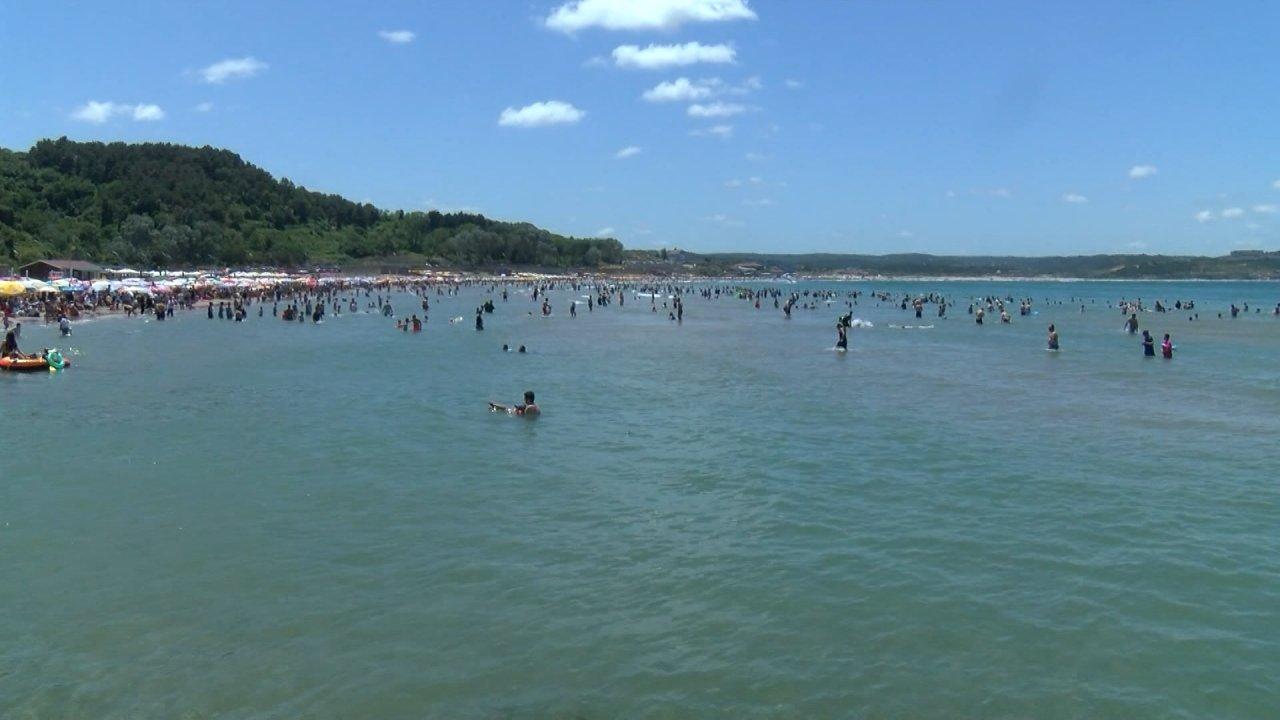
32	283
9	288
99	285
47	289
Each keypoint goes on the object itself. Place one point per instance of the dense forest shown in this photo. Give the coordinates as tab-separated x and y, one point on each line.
162	205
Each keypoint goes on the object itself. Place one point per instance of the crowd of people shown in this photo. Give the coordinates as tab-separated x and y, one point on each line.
301	299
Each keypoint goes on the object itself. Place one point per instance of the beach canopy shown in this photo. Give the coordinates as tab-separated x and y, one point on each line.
9	288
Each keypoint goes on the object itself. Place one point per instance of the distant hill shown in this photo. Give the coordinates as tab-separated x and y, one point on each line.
1237	265
159	205
163	205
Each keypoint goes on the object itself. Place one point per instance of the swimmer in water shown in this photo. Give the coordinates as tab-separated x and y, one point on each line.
1166	347
842	336
527	409
1053	337
1148	344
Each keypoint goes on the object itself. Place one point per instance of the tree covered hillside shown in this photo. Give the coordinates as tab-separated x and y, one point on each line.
163	205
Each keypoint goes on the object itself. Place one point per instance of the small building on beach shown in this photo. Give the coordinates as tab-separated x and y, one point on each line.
57	269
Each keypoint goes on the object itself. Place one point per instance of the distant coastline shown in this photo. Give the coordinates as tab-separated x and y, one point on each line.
157	205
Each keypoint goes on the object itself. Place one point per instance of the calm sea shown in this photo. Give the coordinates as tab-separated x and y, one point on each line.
721	518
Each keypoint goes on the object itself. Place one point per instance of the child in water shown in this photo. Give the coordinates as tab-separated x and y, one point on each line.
1166	347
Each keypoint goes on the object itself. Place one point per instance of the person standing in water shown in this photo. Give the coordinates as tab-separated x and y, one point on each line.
528	408
1132	323
1053	337
1166	347
842	336
1148	344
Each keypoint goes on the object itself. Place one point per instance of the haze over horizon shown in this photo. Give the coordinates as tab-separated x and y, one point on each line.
713	125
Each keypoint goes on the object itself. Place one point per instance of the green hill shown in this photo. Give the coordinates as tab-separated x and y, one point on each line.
163	205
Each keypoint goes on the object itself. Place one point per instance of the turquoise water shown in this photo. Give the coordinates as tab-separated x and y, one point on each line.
721	518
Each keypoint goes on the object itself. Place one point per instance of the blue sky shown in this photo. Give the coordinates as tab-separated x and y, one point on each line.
968	128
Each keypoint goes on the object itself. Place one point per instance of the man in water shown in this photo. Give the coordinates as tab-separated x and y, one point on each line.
527	409
1148	344
1053	338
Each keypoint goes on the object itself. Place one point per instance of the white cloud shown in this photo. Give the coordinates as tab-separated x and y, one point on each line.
204	107
756	157
1265	209
231	69
551	112
647	15
1137	245
685	90
715	110
147	113
655	57
398	37
793	84
96	112
724	132
733	183
755	180
1204	216
680	90
99	112
605	232
1276	184
724	220
1232	212
626	152
905	234
1137	172
1074	198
